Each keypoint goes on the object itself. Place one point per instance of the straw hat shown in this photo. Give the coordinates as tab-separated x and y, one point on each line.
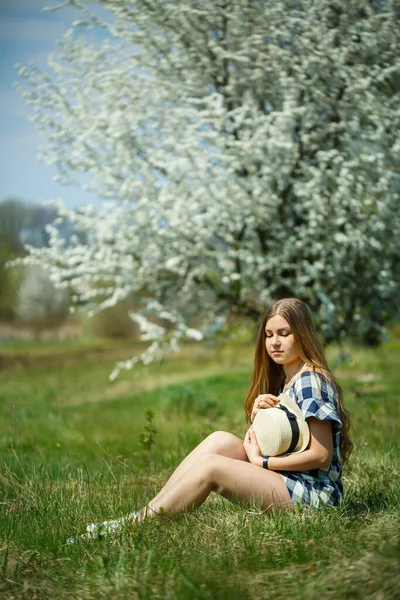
282	429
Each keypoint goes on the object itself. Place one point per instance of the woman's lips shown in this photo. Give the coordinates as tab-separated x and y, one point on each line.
277	351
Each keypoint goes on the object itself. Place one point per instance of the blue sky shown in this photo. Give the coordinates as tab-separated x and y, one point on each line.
28	34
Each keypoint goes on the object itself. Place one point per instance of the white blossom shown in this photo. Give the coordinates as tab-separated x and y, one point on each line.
247	152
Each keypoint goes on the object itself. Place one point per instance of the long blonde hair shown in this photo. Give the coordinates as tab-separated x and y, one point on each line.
268	377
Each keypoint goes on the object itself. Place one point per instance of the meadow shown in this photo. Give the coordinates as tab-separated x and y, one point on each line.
76	448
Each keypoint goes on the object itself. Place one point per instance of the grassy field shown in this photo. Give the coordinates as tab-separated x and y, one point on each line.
72	451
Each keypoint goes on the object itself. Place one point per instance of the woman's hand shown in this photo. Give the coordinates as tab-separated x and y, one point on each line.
252	448
263	401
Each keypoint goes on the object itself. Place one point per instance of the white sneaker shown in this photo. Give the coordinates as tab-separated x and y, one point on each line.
98	531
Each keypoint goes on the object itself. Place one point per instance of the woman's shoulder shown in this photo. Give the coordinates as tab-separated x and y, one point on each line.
309	371
317	395
316	382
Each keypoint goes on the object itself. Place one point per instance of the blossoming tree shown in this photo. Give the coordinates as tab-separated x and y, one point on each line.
246	150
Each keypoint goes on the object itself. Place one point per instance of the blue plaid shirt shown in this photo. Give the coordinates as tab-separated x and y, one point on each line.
316	396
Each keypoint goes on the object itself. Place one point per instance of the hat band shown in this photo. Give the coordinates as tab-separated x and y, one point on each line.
294	426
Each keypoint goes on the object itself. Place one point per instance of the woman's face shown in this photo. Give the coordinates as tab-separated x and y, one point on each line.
279	342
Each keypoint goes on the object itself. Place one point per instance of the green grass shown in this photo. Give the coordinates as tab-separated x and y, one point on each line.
71	453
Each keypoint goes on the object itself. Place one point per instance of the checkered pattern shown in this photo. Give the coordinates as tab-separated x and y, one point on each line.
316	395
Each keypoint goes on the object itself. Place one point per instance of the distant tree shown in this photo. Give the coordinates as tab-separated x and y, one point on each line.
35	233
20	223
253	147
24	222
8	284
40	304
14	217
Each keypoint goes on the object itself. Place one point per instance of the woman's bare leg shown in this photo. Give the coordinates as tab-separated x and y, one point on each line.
219	442
226	472
234	479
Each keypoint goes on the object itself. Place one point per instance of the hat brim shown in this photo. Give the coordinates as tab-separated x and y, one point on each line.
292	405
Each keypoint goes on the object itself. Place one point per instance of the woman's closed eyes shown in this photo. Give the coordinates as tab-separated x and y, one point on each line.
282	333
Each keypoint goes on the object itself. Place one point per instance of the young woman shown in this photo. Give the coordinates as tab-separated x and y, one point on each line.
288	358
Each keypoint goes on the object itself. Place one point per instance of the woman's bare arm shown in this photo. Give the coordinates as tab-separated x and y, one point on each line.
317	456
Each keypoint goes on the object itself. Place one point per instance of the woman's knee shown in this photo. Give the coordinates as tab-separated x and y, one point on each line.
219	441
208	467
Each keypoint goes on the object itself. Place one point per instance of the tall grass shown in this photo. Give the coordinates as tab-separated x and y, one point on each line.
71	454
